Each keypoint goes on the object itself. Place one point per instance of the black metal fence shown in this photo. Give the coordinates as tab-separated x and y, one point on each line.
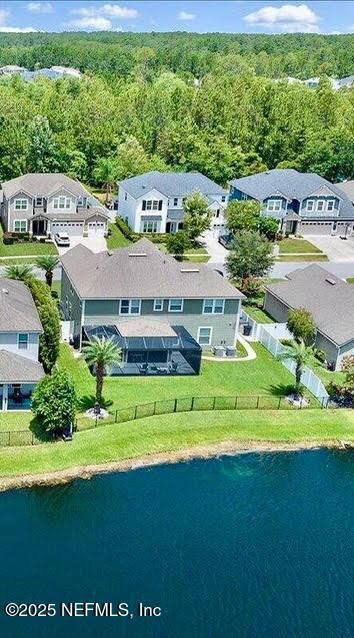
191	404
17	438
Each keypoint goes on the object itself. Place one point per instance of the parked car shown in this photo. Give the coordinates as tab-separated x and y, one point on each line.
62	239
226	241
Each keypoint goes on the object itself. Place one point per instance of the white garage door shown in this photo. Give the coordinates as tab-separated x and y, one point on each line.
316	228
73	229
96	229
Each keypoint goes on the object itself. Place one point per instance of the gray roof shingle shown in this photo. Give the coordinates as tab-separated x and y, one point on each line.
291	184
171	184
18	312
329	299
141	271
43	184
17	369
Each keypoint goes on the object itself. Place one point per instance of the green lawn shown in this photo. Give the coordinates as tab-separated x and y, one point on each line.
295	257
258	314
26	248
116	239
262	376
297	246
169	433
350	280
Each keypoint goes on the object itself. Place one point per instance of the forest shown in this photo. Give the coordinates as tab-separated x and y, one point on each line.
138	106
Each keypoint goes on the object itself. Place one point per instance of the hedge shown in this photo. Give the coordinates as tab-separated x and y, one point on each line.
50	320
156	238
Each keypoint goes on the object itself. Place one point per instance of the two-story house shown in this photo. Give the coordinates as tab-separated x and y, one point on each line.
20	329
44	204
304	203
161	312
153	202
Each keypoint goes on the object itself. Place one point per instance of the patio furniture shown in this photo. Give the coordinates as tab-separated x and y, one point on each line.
143	368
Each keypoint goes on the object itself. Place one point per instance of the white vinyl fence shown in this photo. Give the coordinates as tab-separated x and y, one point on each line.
308	379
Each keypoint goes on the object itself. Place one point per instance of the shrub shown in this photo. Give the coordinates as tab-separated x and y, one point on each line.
301	324
177	244
320	355
50	320
54	402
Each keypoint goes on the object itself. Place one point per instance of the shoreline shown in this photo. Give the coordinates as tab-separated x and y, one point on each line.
225	448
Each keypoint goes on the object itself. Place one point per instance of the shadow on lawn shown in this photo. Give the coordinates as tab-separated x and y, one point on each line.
88	401
37	429
281	390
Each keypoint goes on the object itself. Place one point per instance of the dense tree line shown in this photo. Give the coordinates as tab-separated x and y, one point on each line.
138	107
149	54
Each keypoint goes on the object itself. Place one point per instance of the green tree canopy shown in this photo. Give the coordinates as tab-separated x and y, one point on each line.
197	217
301	325
242	215
249	257
54	402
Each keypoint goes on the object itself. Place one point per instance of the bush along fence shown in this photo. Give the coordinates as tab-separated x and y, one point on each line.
260	332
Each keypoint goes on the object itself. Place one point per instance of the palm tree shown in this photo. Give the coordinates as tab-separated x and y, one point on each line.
105	172
47	263
101	353
301	355
21	272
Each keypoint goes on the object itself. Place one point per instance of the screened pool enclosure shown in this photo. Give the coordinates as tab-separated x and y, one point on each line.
150	348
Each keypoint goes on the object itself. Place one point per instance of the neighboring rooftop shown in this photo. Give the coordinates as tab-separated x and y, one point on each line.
289	183
171	184
18	312
43	184
348	188
141	271
329	299
17	369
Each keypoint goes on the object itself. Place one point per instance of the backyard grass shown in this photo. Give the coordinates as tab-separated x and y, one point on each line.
26	248
350	280
295	257
325	375
261	376
291	245
258	314
116	239
169	433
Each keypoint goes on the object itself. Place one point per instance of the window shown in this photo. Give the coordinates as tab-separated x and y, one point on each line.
151	226
39	201
310	205
217	213
130	307
274	205
20	225
175	305
23	341
21	204
125	196
175	201
223	198
330	205
80	201
152	204
213	306
62	202
320	205
158	305
204	336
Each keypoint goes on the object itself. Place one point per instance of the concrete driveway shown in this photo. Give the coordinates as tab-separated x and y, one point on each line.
337	249
96	243
216	251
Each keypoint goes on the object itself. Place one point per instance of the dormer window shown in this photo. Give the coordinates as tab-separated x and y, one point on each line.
39	201
320	206
274	205
223	198
330	205
80	201
310	206
175	201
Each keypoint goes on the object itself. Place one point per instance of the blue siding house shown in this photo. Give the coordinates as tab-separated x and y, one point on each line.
304	203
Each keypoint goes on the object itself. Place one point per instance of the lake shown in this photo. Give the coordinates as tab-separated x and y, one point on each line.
252	546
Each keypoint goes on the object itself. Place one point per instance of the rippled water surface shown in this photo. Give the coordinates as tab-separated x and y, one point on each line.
258	545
